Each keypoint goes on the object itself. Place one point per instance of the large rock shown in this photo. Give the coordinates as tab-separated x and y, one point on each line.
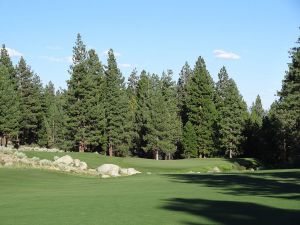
83	165
109	169
129	171
67	160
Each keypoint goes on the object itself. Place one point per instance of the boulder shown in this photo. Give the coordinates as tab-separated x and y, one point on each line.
67	160
109	169
216	170
129	171
83	165
77	162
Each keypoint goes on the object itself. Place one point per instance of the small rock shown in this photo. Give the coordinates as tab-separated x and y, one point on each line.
216	170
149	173
105	176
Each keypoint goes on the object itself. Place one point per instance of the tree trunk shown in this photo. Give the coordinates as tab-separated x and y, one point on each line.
230	154
5	141
156	154
81	146
110	150
284	150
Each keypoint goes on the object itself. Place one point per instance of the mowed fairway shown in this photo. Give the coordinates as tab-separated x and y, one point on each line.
41	197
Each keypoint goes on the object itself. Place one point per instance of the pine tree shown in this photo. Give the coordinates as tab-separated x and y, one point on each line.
132	110
77	90
184	77
232	113
257	112
287	110
29	87
189	140
201	108
115	108
143	95
9	108
162	128
172	119
6	61
95	103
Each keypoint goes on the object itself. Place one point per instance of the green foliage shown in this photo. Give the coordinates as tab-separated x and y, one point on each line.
163	127
253	129
232	113
116	108
201	108
30	91
9	105
189	140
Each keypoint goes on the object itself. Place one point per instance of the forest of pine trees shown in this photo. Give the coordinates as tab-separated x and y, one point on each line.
150	115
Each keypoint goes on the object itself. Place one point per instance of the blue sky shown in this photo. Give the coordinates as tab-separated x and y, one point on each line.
250	37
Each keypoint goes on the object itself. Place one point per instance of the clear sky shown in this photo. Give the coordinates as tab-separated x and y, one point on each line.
250	37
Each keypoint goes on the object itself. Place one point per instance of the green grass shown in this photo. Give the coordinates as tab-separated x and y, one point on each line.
41	197
150	165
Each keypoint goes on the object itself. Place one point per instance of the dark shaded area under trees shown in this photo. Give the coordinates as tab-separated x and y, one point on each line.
150	115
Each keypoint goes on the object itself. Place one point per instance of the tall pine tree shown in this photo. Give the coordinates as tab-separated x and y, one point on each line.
116	103
201	108
30	88
232	113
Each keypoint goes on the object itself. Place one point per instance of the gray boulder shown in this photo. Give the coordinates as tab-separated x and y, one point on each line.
109	169
67	160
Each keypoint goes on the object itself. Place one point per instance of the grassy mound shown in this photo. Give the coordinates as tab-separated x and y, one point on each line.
149	165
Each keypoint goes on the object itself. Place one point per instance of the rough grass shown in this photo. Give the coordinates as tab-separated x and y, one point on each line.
40	197
149	165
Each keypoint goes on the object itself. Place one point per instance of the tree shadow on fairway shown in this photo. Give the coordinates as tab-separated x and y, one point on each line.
232	213
278	185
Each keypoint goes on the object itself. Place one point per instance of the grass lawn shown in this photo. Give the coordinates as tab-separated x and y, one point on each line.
41	197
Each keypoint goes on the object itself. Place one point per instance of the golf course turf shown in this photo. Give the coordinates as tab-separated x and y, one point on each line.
42	197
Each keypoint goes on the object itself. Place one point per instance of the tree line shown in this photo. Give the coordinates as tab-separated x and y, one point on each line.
149	115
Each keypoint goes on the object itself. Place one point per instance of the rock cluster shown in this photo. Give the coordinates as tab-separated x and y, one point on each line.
11	158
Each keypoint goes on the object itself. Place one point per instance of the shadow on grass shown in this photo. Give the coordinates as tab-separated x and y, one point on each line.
232	213
279	184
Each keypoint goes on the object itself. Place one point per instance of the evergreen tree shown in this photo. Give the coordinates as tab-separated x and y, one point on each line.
257	112
29	87
6	61
132	110
143	96
287	110
115	108
201	108
61	123
51	119
162	120
189	140
253	128
78	86
9	108
95	103
184	77
232	113
171	117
